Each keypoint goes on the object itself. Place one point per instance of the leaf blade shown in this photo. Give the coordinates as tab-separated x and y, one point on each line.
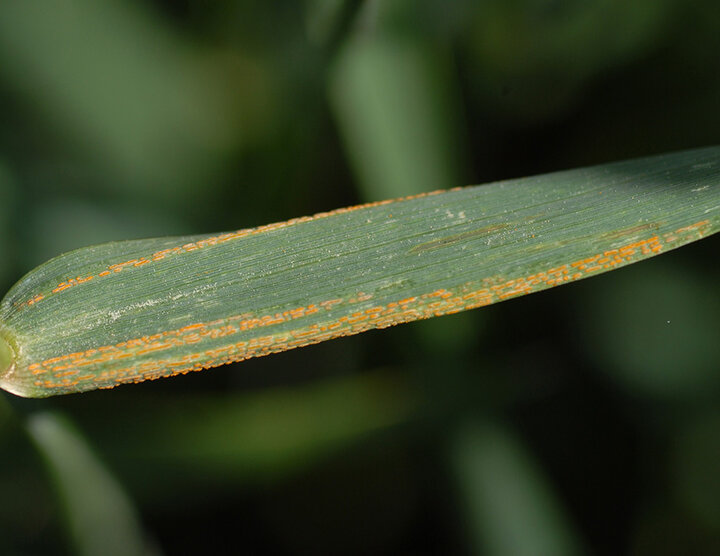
131	311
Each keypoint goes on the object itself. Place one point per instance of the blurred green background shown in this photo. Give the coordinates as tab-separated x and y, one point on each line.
584	420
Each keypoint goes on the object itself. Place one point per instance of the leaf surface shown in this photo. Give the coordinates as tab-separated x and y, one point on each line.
137	310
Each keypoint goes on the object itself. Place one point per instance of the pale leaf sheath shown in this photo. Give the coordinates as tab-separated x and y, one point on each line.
137	310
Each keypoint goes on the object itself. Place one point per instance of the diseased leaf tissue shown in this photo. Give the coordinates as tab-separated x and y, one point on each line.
137	310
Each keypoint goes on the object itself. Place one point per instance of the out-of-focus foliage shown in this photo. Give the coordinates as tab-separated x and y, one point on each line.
540	54
509	509
655	330
143	118
100	517
395	115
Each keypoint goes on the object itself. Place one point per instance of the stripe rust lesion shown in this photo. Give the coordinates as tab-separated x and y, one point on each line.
62	372
216	240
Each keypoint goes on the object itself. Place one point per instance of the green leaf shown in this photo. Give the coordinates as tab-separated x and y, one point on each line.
136	310
510	508
392	100
117	83
101	517
249	437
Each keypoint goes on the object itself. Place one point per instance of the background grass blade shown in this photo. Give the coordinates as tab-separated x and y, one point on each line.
510	509
131	311
101	518
274	433
391	99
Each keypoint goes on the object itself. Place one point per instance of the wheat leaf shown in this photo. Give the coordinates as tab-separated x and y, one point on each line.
136	310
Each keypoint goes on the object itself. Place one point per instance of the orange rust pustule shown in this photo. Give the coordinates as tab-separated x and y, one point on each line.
214	240
67	370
